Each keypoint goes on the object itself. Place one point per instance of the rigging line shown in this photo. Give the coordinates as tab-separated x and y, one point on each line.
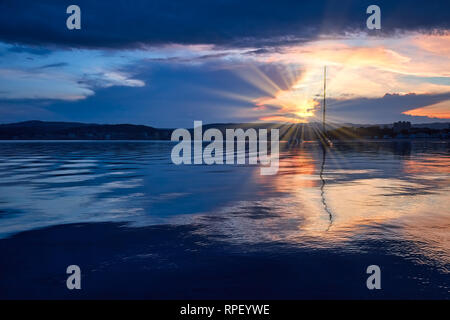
322	188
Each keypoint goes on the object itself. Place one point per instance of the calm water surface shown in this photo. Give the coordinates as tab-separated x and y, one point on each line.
127	215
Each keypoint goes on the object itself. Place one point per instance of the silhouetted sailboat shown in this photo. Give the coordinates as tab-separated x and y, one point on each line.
324	139
296	138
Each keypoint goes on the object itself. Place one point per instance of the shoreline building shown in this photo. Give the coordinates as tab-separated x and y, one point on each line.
401	126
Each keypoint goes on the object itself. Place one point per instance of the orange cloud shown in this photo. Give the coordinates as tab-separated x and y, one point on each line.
414	54
439	110
437	44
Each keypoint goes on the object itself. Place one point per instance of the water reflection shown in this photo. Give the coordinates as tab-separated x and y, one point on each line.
339	198
322	187
362	194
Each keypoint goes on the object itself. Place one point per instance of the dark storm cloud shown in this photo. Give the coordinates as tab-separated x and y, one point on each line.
115	24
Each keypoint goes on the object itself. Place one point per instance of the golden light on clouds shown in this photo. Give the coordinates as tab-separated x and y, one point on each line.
359	67
291	102
439	110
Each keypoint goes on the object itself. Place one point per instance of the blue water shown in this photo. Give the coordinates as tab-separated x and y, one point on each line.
142	227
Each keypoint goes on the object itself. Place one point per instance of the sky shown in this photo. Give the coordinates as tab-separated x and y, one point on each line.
168	63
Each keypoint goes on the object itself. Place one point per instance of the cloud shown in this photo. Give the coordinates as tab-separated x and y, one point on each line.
357	67
121	79
61	74
112	78
224	23
29	84
54	65
12	110
440	110
31	50
227	60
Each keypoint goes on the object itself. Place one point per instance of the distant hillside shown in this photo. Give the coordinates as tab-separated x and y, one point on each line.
434	125
45	124
431	125
42	130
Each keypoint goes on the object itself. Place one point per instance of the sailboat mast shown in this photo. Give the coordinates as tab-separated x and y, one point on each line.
324	98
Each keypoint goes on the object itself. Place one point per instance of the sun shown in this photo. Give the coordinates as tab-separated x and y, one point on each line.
306	108
293	106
